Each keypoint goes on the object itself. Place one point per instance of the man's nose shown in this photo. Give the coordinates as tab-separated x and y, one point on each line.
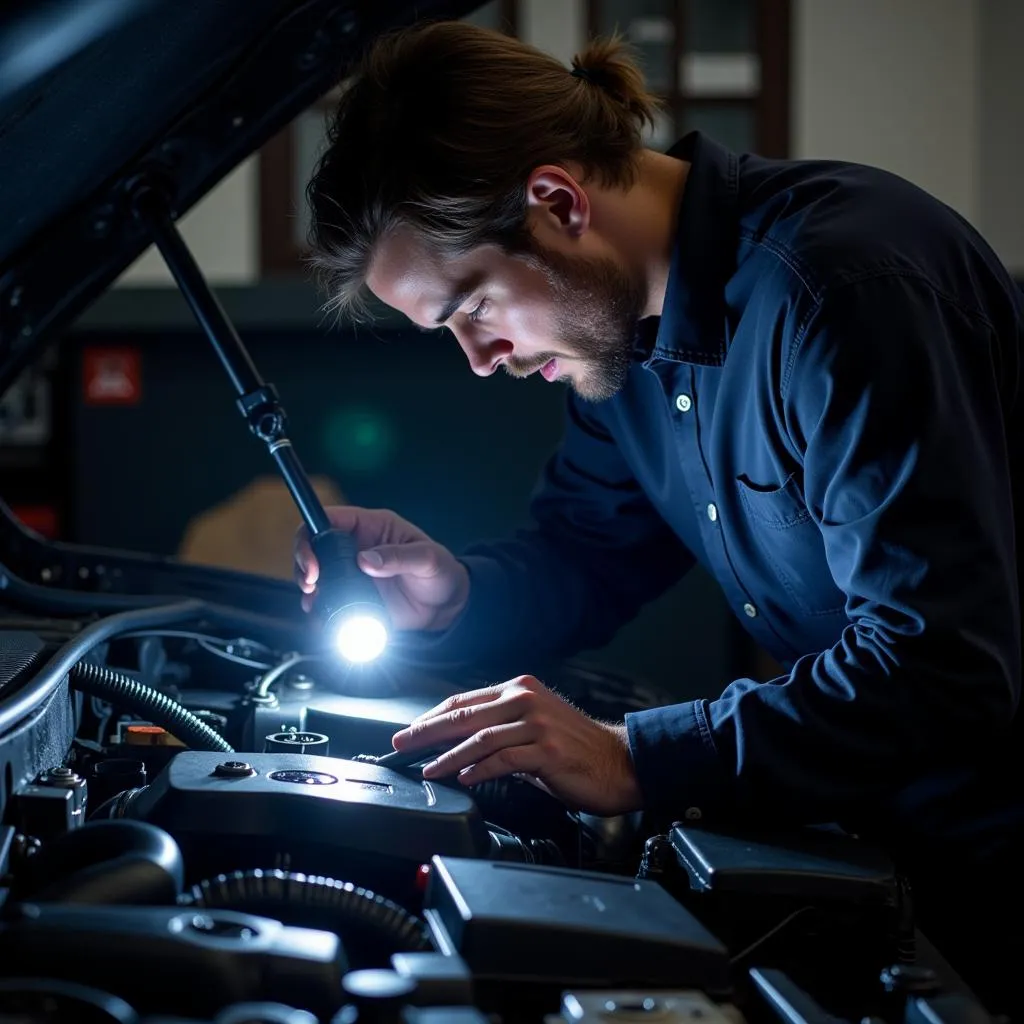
485	355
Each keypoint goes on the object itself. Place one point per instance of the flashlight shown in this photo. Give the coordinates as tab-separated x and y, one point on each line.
352	612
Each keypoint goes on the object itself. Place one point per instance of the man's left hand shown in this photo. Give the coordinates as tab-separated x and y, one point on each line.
521	727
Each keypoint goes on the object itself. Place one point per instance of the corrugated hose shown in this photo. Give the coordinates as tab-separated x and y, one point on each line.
118	688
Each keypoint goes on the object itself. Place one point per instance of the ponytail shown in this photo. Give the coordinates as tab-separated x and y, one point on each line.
608	65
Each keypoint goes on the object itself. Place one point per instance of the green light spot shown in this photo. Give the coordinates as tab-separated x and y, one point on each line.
359	440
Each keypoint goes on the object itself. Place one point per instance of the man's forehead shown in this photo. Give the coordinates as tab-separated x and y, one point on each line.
404	259
412	276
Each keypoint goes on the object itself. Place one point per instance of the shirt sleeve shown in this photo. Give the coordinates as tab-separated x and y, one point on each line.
894	404
594	553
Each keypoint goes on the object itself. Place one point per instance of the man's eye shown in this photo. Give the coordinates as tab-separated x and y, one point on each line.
476	314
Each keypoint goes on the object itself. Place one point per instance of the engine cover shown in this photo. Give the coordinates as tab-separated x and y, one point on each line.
320	812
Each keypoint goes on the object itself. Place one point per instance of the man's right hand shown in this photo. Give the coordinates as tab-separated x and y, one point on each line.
422	584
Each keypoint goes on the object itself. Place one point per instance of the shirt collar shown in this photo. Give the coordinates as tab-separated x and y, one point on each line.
691	327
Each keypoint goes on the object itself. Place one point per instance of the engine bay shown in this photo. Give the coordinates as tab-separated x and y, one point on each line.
196	828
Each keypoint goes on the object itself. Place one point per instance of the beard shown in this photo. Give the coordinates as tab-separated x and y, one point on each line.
598	307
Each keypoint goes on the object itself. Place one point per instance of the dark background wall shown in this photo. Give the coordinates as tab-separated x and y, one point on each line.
394	417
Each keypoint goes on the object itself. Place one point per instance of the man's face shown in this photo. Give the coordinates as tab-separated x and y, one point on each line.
567	317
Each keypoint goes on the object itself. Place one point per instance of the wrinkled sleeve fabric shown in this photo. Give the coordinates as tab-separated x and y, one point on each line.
892	402
594	553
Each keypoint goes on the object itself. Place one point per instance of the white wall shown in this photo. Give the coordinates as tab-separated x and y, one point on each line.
1001	124
222	231
892	83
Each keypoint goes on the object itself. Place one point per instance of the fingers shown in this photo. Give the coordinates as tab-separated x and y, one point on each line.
348	518
368	526
388	546
418	558
510	688
461	700
305	570
455	724
507	745
523	762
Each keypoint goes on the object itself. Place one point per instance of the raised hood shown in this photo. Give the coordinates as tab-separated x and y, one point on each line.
96	92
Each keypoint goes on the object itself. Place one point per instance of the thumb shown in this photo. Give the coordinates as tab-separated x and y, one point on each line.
416	559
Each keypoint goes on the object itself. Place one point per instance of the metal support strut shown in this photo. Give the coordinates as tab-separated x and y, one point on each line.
257	401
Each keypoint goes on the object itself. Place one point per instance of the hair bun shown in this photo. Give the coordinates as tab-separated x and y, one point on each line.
608	62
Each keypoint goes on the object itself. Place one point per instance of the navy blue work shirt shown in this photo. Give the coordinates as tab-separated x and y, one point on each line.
826	417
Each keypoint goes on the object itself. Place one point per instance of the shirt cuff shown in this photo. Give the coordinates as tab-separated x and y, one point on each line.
676	762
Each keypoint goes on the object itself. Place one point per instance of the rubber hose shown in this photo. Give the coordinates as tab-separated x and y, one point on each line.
63	660
32	695
127	862
252	892
123	691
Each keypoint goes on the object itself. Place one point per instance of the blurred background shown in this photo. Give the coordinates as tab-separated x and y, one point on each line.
128	436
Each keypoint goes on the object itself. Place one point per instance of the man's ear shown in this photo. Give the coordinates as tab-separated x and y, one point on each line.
557	200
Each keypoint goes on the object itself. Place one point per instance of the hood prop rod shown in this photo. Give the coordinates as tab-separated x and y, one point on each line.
257	400
347	602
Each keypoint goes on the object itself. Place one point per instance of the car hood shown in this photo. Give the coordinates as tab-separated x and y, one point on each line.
94	93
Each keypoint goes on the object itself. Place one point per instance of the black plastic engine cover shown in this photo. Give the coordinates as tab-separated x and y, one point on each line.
827	909
809	864
291	801
547	926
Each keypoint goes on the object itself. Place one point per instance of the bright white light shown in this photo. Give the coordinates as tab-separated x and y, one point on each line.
361	638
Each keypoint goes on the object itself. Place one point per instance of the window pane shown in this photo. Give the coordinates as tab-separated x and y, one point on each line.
721	57
731	126
720	26
720	74
649	26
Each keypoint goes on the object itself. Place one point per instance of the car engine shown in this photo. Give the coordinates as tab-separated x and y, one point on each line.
196	828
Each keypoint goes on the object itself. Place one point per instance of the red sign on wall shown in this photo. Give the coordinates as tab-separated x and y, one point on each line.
41	518
112	376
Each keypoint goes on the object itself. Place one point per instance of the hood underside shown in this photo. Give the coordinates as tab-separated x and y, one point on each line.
95	93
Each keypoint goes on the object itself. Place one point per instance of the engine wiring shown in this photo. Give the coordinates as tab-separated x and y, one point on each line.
210	643
273	667
281	669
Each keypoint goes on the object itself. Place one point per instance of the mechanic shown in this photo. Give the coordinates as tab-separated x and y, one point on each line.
802	375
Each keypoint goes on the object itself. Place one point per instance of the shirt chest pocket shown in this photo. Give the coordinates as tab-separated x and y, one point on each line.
790	544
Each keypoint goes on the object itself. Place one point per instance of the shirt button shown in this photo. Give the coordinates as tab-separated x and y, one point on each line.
712	513
749	610
684	403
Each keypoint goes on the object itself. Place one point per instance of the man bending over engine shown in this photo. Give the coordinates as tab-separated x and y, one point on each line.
802	375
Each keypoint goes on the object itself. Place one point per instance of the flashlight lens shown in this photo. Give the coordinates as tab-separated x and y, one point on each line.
361	638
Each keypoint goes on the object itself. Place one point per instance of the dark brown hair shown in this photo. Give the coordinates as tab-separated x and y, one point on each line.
439	128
